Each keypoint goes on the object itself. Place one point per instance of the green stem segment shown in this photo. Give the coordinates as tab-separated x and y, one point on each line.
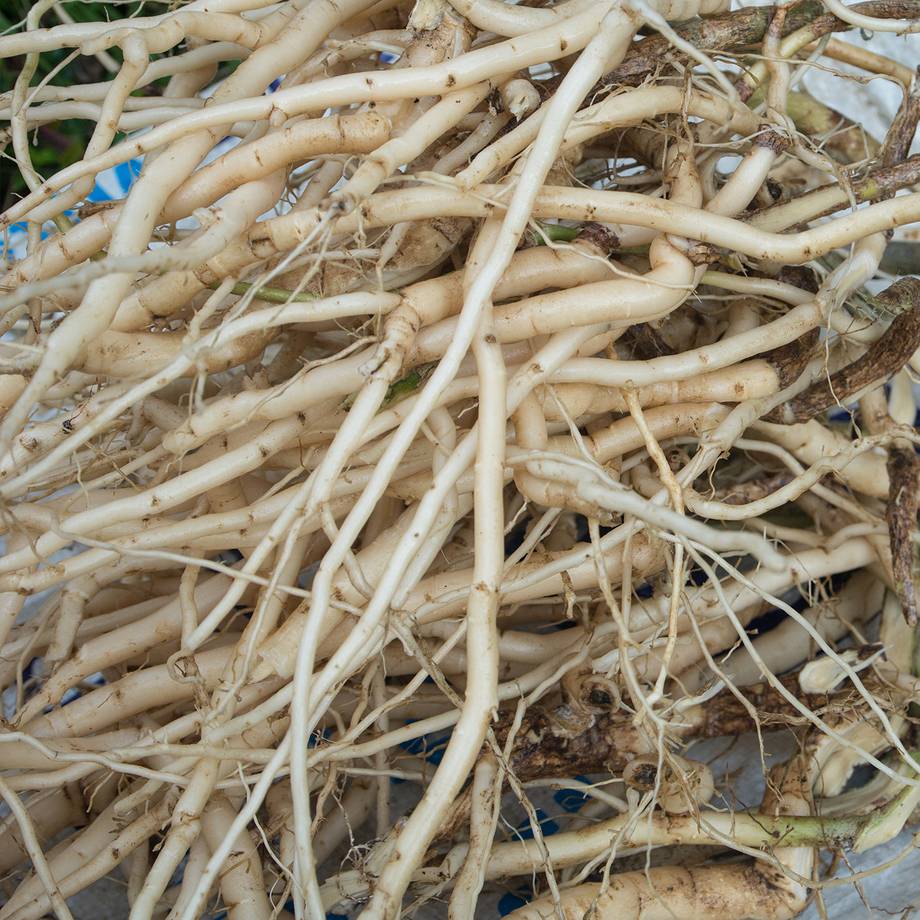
268	294
553	233
857	833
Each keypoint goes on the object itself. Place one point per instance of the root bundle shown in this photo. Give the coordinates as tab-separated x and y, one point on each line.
522	382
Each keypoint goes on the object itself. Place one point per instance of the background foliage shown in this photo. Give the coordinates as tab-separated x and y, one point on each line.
59	145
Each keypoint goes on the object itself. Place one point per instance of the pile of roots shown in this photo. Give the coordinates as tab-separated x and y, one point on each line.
468	401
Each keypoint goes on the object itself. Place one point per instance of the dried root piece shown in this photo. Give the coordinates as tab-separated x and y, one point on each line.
880	362
901	516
